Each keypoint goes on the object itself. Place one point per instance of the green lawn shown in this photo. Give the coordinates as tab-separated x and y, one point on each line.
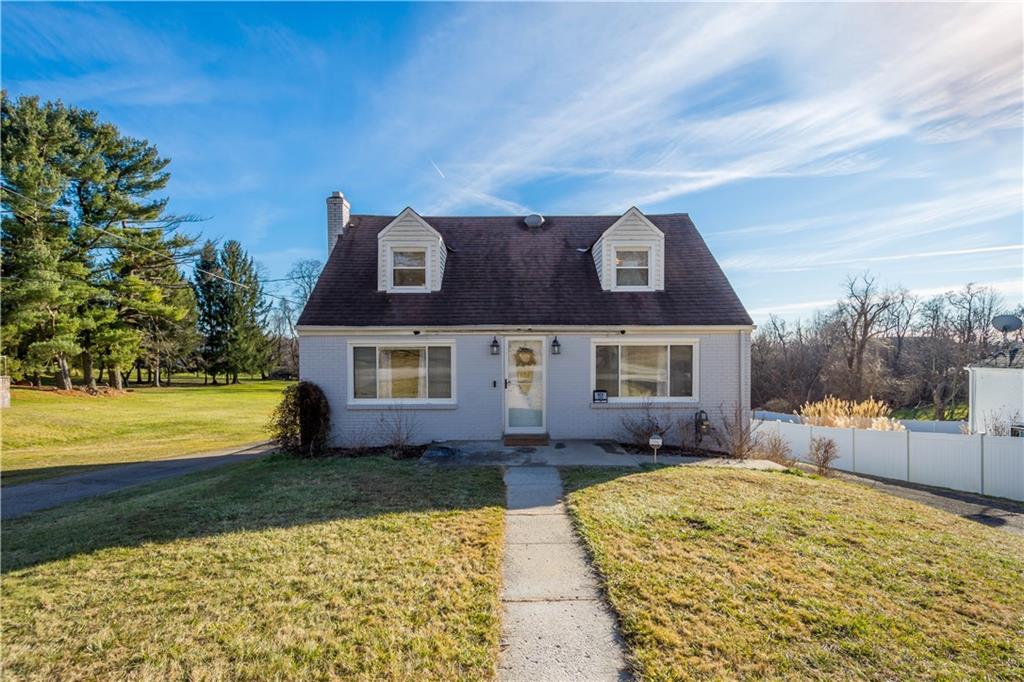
273	569
744	574
47	434
958	413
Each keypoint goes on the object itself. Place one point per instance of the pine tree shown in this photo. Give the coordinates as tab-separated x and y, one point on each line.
245	312
45	283
76	280
211	296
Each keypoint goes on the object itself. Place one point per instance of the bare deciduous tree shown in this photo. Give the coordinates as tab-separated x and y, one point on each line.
862	316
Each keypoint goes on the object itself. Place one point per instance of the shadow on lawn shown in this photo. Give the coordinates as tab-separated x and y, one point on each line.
275	492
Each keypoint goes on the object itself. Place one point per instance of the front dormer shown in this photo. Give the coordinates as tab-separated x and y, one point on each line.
411	255
630	255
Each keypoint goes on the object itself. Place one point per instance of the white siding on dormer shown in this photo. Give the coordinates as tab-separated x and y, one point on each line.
409	230
598	253
633	229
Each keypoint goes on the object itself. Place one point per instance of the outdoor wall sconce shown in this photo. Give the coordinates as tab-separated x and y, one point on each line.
495	346
556	348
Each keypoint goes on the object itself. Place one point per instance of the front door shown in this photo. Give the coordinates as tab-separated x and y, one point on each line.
525	378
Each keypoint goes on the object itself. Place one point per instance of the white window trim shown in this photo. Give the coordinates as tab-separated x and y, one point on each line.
676	400
385	402
615	248
427	270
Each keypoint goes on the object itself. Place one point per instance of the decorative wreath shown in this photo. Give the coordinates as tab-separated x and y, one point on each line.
525	362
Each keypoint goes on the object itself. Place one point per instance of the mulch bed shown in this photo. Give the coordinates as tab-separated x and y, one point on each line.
685	451
411	452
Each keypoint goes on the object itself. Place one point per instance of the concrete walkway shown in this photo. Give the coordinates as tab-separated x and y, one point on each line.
555	624
25	498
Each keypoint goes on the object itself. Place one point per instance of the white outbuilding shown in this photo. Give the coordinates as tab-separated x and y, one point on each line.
996	403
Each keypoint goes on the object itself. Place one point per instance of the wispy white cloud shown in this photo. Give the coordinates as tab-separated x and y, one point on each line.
621	99
866	236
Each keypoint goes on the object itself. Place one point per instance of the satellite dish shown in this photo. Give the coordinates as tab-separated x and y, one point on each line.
1006	323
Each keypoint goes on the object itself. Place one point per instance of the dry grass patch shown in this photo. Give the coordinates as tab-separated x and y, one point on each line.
275	569
744	574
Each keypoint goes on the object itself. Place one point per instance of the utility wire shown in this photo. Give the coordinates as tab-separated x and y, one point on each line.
153	251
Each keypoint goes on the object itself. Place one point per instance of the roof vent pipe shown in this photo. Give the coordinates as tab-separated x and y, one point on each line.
534	220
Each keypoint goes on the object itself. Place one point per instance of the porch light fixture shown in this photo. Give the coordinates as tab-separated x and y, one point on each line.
556	348
495	346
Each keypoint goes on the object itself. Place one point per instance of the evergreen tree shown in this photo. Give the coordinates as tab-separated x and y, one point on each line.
245	312
211	296
44	279
75	278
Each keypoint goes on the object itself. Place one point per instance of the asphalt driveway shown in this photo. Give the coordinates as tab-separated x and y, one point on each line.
25	498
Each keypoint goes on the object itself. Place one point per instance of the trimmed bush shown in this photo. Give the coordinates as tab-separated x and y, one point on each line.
301	421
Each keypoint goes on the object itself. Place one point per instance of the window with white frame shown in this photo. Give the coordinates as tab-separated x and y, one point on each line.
408	268
632	267
402	373
646	371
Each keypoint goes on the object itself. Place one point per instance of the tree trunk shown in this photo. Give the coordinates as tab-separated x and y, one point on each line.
939	403
156	371
234	378
138	373
64	375
87	372
38	380
168	375
115	378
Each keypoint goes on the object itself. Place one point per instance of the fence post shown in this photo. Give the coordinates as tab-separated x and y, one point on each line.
853	447
908	456
982	458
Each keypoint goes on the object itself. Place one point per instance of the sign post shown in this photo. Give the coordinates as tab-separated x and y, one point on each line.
655	443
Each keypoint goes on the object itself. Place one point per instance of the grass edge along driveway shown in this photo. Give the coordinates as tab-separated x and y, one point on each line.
277	568
745	574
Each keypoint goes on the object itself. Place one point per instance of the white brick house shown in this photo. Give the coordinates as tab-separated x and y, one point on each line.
484	327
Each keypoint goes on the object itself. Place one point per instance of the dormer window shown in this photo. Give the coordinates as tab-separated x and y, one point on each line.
411	256
632	268
409	268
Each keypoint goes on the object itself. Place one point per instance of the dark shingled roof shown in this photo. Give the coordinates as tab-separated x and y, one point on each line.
499	272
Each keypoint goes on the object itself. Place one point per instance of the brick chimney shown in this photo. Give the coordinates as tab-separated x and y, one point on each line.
337	218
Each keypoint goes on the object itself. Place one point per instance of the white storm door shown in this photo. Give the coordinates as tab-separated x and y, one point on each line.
525	385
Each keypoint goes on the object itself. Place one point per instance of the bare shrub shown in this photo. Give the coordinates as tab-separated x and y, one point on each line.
775	448
999	423
358	440
824	451
639	426
301	421
737	433
687	431
866	414
398	427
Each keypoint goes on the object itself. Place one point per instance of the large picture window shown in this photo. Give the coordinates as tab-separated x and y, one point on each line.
645	371
402	373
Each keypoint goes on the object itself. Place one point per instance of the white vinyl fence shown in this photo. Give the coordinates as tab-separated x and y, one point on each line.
991	465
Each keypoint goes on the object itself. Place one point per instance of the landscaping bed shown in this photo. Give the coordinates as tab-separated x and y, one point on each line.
743	574
362	568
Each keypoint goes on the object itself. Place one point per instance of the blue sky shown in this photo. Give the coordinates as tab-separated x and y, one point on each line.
807	142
